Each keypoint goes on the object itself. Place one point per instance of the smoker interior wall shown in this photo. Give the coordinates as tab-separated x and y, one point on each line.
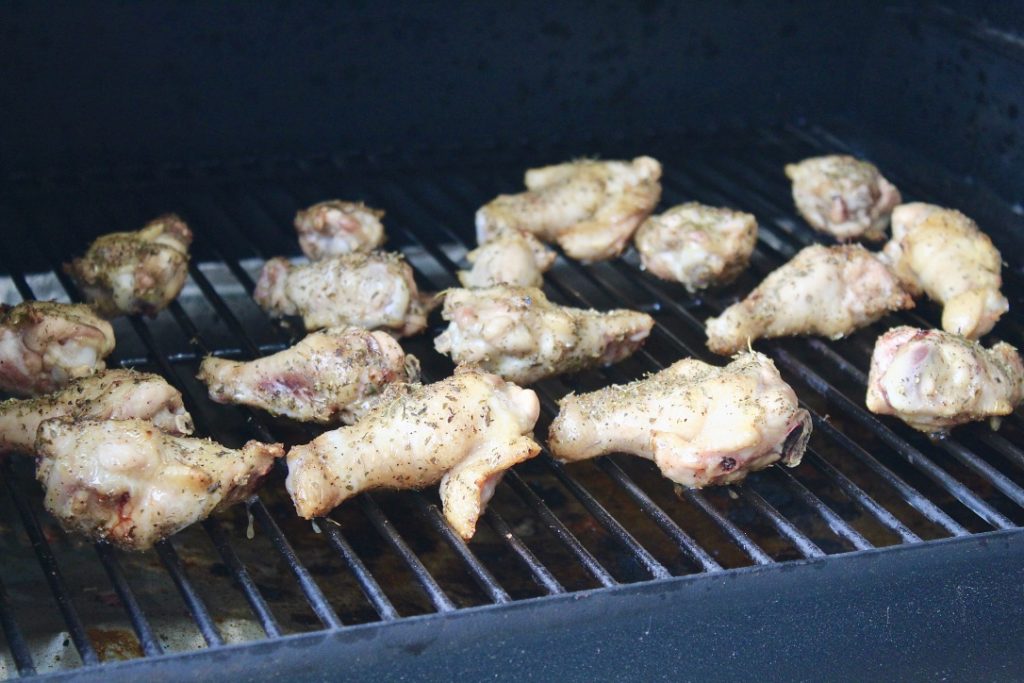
98	83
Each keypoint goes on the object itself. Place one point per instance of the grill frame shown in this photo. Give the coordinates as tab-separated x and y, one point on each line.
780	236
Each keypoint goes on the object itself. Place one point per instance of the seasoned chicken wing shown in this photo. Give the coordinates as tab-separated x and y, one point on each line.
591	208
934	380
375	291
331	376
827	291
108	395
510	258
131	484
335	227
45	344
124	273
697	245
517	333
843	196
700	424
942	253
464	431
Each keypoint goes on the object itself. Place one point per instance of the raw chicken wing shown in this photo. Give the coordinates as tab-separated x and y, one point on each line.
510	258
331	376
109	395
697	245
591	208
335	227
843	196
131	484
517	333
827	291
124	273
374	291
45	344
934	380
943	253
464	431
700	424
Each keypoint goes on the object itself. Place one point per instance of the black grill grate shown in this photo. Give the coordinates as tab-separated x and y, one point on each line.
550	529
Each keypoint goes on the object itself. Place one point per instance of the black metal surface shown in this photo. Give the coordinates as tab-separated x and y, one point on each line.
590	530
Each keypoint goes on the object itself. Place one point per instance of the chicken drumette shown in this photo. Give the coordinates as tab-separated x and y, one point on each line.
124	273
934	380
335	227
109	395
517	333
465	431
700	424
131	484
943	253
697	245
843	196
374	291
827	291
509	258
45	344
331	376
591	208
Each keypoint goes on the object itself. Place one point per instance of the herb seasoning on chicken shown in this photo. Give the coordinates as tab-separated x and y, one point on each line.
463	431
701	424
335	227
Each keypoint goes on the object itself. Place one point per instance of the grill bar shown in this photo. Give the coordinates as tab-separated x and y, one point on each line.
541	575
754	551
61	595
140	624
20	652
193	602
374	593
836	523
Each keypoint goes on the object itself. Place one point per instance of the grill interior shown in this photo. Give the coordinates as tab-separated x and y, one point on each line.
265	574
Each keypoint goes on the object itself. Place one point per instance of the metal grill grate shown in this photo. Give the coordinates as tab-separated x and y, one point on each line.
550	529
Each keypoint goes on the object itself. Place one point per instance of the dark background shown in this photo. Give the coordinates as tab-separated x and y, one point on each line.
99	84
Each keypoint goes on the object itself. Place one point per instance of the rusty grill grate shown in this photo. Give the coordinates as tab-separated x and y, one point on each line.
264	574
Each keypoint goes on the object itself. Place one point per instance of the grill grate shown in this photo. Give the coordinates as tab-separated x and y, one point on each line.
865	482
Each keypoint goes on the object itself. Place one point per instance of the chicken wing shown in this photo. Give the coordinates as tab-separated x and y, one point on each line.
335	227
700	424
510	258
827	291
464	431
109	395
591	208
375	291
943	253
124	273
843	196
131	484
329	377
45	344
934	380
697	245
517	333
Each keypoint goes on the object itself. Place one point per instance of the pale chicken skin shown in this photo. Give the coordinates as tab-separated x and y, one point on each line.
373	291
464	431
843	196
944	254
510	258
46	344
515	332
591	208
702	425
824	291
697	245
109	395
935	380
330	377
125	273
131	484
337	227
